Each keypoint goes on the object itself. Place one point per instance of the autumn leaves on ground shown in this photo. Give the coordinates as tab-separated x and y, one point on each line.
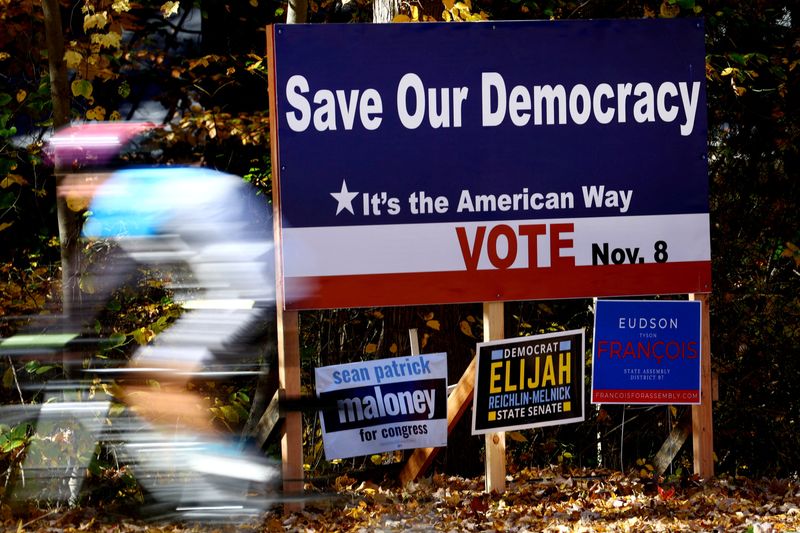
535	500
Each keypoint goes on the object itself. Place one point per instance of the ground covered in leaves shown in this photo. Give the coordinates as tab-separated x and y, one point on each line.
535	500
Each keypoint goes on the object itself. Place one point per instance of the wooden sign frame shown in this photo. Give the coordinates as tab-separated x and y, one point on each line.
290	385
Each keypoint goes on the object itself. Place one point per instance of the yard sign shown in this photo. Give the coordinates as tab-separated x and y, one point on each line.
647	352
383	405
529	382
445	163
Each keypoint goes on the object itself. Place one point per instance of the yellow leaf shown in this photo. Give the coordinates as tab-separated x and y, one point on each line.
401	18
21	94
98	20
376	459
728	71
11	179
393	348
254	3
668	11
371	348
169	8
115	116
4	56
73	59
649	13
428	316
466	329
5	225
255	66
96	113
230	414
448	4
143	335
107	40
446	16
121	5
433	324
414	13
517	436
82	88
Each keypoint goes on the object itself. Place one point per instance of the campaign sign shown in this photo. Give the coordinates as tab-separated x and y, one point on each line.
646	352
529	382
384	405
423	163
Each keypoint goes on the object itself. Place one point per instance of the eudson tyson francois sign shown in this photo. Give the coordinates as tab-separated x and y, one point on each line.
647	352
384	405
529	382
574	167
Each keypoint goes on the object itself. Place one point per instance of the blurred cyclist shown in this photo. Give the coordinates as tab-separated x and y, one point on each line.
161	216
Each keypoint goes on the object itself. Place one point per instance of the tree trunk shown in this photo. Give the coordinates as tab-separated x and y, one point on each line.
385	10
55	56
297	12
68	221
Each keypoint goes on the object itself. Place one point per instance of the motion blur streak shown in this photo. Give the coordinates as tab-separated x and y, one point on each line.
209	237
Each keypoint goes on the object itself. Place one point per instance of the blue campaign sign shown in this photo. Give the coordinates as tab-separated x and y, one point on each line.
647	352
427	163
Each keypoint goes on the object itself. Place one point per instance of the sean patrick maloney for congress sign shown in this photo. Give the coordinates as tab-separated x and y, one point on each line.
383	405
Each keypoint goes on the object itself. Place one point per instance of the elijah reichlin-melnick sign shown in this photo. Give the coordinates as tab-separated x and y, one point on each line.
529	382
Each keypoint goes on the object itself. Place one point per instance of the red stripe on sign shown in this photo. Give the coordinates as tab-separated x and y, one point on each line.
645	396
373	290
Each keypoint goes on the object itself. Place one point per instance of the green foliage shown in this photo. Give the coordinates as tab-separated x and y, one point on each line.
14	439
232	409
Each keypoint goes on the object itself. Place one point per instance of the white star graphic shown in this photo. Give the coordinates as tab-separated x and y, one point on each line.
345	199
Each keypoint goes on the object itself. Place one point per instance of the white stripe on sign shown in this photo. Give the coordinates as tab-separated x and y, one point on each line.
437	247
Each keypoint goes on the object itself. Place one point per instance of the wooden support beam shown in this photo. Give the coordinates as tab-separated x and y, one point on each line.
269	420
702	416
457	403
677	437
493	329
287	321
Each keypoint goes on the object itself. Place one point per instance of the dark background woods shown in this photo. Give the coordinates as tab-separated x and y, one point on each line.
201	70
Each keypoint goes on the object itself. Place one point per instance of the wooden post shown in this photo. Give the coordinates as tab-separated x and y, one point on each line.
413	341
288	333
289	379
493	329
702	416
